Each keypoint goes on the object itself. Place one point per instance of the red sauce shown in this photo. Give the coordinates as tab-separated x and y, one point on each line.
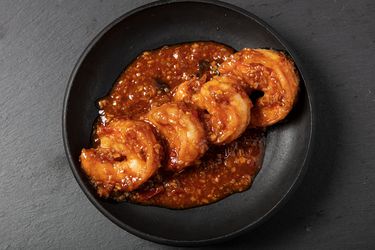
221	172
148	82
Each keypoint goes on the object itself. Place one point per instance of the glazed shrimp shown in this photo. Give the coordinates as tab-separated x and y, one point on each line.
226	103
183	132
270	72
128	154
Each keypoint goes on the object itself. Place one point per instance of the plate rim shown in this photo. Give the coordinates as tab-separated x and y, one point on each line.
217	239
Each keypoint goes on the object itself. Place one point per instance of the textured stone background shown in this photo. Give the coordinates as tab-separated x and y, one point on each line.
41	205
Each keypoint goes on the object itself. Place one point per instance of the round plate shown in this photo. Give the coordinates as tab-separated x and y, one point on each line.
171	22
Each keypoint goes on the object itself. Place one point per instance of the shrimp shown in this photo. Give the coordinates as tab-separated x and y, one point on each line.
226	104
271	72
184	134
128	154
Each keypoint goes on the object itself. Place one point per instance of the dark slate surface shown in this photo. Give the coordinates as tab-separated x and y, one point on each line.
41	205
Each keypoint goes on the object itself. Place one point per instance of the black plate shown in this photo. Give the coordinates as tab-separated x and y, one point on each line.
172	22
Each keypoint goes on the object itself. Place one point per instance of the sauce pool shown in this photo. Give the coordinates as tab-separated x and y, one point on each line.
146	83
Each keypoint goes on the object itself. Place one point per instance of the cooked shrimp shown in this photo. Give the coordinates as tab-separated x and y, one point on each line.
226	103
184	134
270	72
128	154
